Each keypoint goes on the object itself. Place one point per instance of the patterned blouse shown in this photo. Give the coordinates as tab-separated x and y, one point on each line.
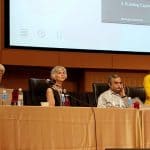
110	99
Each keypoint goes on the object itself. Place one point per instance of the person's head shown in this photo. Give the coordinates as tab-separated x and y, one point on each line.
59	73
2	71
115	83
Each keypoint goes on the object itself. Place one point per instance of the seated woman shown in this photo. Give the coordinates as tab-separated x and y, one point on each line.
54	93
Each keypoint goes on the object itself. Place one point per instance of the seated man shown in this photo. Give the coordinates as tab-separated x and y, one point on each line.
115	96
2	71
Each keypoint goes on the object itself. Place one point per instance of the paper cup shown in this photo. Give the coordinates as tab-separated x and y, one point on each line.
45	104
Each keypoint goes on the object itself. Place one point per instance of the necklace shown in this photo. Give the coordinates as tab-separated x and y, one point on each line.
57	88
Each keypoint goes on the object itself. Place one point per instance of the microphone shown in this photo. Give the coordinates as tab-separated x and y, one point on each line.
74	98
78	100
50	82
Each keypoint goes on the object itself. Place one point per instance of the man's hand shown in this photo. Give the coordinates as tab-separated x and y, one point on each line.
122	91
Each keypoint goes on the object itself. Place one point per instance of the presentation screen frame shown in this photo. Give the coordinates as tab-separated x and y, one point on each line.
106	19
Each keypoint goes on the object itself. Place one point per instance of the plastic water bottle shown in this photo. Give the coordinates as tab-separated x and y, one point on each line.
129	101
20	97
4	97
62	99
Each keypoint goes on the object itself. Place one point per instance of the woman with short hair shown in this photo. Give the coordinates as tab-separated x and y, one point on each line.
58	75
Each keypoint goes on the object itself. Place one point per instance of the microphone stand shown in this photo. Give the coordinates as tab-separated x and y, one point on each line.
78	100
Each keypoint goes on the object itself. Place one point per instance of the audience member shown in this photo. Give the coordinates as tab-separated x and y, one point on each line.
115	96
53	94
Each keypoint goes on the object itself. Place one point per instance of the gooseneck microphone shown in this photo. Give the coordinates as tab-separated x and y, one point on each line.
75	98
78	100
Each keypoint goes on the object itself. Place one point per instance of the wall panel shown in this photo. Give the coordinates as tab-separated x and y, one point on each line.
86	60
130	78
29	57
126	61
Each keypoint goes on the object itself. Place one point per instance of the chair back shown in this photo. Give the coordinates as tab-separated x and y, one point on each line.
37	89
99	88
137	92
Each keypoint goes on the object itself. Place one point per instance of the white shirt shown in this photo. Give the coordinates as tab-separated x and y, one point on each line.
110	99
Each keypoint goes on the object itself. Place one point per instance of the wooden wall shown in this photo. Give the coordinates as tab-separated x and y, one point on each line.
83	68
130	77
79	79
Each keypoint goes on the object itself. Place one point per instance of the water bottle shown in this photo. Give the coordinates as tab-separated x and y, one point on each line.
129	101
62	99
4	97
20	97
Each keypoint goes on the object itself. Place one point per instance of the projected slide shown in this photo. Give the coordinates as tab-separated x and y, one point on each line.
110	25
126	11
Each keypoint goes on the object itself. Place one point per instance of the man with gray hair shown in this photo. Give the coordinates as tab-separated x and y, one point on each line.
115	96
2	71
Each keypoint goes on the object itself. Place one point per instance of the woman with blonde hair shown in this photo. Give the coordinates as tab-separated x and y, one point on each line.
58	75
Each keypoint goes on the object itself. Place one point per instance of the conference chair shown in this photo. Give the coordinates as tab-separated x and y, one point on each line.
137	92
37	90
99	88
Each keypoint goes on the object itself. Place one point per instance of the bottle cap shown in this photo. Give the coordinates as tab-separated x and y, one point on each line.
4	91
129	101
64	91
